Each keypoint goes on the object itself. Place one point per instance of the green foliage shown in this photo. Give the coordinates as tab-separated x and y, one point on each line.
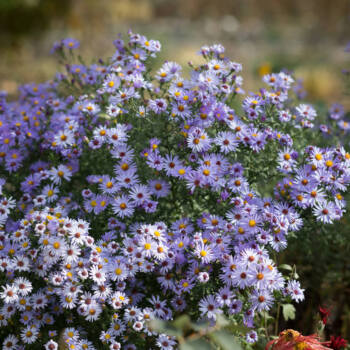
288	311
201	335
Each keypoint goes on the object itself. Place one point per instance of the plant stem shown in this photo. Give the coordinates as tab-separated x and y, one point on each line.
277	318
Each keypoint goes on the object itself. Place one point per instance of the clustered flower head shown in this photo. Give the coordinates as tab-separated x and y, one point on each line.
127	196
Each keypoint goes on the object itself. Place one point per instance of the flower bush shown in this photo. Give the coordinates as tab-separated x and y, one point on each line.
129	194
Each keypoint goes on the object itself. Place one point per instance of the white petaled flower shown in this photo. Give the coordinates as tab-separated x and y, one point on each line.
29	334
9	293
23	285
10	343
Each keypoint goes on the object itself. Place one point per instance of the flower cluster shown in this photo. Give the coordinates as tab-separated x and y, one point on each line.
128	196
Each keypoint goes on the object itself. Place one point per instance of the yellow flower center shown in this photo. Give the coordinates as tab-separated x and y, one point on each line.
206	172
252	223
260	276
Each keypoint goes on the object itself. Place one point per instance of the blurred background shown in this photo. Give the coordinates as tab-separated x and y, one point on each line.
305	36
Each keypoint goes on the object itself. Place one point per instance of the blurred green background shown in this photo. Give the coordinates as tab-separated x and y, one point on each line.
306	36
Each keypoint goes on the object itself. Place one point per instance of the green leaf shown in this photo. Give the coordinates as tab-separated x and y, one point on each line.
285	267
160	326
182	322
222	321
288	312
225	340
200	325
197	344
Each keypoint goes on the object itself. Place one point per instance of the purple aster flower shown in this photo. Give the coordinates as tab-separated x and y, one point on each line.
251	337
123	207
158	106
70	43
139	194
209	307
159	188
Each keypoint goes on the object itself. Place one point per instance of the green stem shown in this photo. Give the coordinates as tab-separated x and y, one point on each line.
277	318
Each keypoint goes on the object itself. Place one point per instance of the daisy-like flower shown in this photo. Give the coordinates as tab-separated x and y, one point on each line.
97	275
115	345
294	290
111	83
158	106
261	300
227	141
139	194
59	173
118	271
209	307
324	211
123	207
9	293
50	192
106	336
38	301
203	252
117	136
10	343
29	334
306	111
93	312
251	337
236	306
165	342
51	345
203	277
240	278
91	108
64	138
70	43
198	140
159	188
